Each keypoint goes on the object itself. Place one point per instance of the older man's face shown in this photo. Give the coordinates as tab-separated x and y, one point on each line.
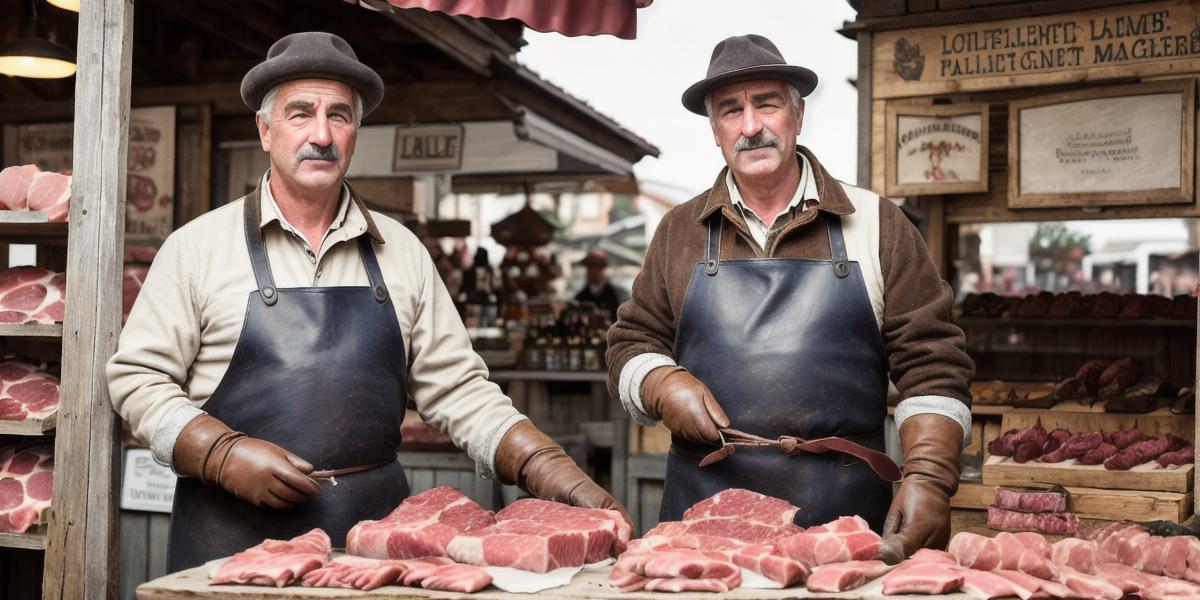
756	126
312	133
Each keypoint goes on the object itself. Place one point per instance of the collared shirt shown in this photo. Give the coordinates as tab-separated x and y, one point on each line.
806	195
188	317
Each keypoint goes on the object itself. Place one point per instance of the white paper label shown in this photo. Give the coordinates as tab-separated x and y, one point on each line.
146	485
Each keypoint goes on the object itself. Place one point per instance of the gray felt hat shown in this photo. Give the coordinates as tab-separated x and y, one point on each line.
743	58
312	55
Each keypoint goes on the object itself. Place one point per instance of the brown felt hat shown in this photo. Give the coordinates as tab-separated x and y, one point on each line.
743	58
312	55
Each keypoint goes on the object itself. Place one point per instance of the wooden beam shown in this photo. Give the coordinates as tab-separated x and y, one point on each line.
442	32
251	37
973	15
82	536
863	86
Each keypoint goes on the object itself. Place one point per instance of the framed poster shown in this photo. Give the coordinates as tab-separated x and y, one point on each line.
1109	146
936	149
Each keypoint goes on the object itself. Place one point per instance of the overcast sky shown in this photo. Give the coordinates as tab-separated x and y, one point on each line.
639	82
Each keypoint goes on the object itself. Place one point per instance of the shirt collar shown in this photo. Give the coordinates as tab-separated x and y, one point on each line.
806	190
832	198
359	219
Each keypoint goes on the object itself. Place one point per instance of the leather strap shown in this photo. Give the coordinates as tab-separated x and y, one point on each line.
374	274
331	473
258	253
837	246
712	253
880	463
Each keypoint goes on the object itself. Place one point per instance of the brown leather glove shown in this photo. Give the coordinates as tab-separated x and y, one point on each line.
254	470
684	404
532	461
920	513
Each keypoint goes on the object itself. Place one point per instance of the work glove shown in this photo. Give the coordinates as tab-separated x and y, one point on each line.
920	513
684	404
530	460
254	470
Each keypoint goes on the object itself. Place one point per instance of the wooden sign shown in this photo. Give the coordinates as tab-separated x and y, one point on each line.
1123	41
428	148
1108	146
936	149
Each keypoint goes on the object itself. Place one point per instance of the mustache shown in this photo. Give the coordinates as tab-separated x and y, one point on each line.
763	139
314	152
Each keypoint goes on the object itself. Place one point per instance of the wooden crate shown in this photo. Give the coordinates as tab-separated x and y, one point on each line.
999	470
1093	503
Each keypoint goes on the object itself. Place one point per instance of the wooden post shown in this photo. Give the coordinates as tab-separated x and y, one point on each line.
81	541
863	85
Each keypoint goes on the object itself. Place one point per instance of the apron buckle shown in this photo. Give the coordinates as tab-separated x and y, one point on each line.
269	295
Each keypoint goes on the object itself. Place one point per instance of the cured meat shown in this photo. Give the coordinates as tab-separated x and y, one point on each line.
1125	439
536	546
1089	374
1099	454
1183	456
1061	523
26	390
1022	444
845	539
1123	371
1107	305
555	512
26	486
923	578
1144	451
839	577
276	562
357	573
51	193
31	294
1005	445
1183	307
1048	501
1075	447
14	186
423	525
1055	440
1065	305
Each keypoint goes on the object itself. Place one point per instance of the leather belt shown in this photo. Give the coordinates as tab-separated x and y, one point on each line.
332	474
731	439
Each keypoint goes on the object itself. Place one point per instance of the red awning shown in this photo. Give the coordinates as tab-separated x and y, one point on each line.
571	18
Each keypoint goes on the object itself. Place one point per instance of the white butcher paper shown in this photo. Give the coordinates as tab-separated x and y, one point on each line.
516	581
754	581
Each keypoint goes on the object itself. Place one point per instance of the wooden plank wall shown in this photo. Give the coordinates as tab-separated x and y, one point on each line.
142	551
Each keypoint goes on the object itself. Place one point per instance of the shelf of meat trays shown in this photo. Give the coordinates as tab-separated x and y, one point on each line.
31	227
33	539
34	426
31	330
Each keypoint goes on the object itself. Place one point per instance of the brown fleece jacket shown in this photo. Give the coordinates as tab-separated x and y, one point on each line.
925	351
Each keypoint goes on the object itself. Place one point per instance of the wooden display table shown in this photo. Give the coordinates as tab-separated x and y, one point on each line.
193	585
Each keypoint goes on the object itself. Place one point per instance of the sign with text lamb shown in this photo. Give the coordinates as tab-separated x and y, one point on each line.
428	148
1123	41
938	149
1105	146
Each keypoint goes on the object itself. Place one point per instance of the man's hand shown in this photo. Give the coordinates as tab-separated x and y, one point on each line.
254	470
532	461
920	513
684	404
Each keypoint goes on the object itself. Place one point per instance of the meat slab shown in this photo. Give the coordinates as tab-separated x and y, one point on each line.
839	577
50	193
276	562
537	546
355	572
923	578
14	186
423	525
532	509
31	294
27	391
845	539
26	486
1058	523
1026	501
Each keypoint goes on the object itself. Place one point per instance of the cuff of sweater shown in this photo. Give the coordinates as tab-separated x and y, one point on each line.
630	384
162	445
938	405
485	463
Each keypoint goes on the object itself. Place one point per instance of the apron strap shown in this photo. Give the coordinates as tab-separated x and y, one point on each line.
258	253
837	246
712	255
374	274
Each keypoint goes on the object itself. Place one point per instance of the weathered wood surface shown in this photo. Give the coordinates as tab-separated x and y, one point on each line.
80	563
1095	503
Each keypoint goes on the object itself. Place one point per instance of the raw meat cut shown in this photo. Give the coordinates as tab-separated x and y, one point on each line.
929	555
1048	501
1123	439
839	577
14	186
923	578
547	512
51	193
1089	374
26	486
356	572
131	284
1144	451
420	568
845	539
422	525
276	562
456	578
1098	455
27	391
1089	586
738	503
1183	456
1057	523
1041	587
31	294
1075	447
1076	554
1177	557
675	570
984	584
975	551
762	559
535	545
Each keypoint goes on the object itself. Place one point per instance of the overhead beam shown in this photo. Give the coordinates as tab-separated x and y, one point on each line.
442	32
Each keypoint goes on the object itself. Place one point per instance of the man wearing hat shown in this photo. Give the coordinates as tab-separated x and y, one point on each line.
596	287
276	341
770	313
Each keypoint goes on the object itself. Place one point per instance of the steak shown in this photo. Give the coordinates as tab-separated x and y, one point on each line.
27	391
1057	523
26	486
538	546
50	193
923	578
737	503
276	562
839	577
1048	501
845	539
423	525
14	186
762	559
532	509
31	294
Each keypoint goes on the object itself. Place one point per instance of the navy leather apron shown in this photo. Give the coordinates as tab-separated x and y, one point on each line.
788	347
320	371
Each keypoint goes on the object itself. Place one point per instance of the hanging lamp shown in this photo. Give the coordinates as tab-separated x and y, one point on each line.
33	54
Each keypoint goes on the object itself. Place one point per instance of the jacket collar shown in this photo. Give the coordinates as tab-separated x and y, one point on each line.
833	197
357	202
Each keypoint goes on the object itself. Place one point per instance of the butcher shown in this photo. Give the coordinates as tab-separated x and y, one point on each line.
771	312
277	340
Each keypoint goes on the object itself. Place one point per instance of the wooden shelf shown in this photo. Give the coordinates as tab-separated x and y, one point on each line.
54	330
1072	322
31	227
1095	503
521	375
1147	476
1066	406
30	426
34	539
